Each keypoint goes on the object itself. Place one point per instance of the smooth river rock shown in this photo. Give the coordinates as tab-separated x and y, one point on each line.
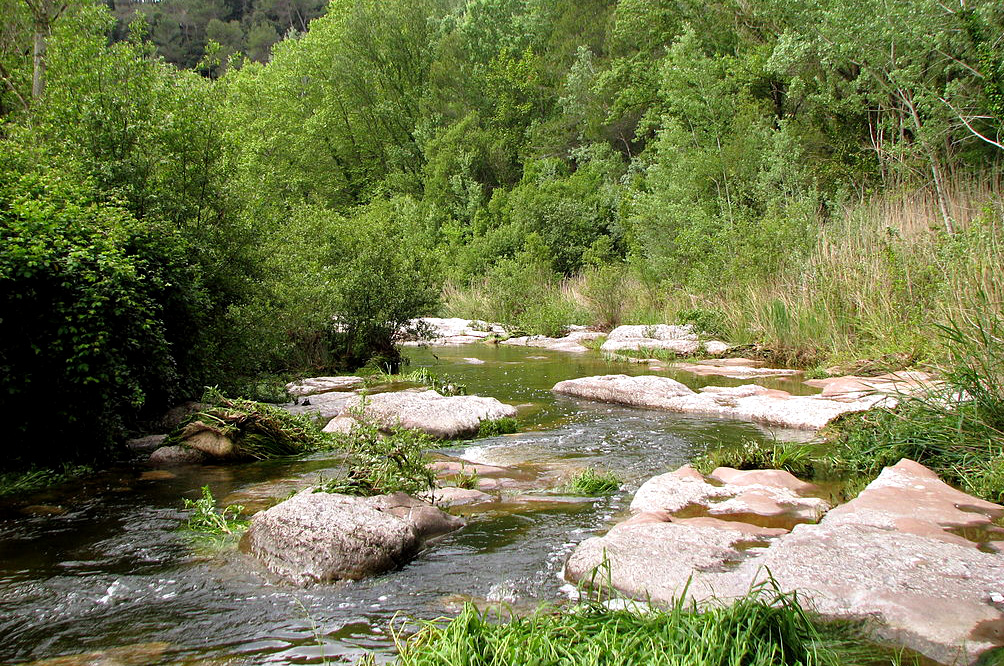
317	537
682	340
426	410
168	456
911	555
749	402
314	385
322	405
451	331
570	343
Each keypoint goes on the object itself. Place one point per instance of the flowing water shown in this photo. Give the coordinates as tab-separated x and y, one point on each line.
103	563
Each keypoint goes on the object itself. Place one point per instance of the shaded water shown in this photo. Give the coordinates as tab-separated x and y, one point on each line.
111	568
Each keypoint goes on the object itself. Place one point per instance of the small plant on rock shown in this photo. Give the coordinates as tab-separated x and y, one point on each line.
207	520
378	463
496	427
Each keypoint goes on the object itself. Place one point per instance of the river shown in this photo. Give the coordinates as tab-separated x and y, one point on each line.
102	563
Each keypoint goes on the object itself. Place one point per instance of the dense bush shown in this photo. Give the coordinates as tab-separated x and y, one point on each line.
100	314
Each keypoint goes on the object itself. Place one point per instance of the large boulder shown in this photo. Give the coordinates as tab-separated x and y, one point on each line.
451	331
570	343
426	410
913	556
678	339
314	385
317	537
749	402
322	405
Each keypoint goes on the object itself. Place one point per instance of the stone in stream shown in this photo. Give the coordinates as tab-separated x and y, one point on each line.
140	654
681	340
426	410
317	537
324	405
570	343
313	385
168	456
898	556
749	402
450	331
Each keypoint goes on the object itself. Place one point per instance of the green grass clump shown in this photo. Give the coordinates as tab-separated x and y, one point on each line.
378	463
795	458
34	478
259	431
440	384
956	429
496	427
591	483
758	630
207	520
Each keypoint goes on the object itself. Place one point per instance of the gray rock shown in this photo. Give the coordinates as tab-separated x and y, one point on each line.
428	411
324	405
749	402
679	339
314	385
570	343
167	456
322	537
146	444
341	424
450	496
452	331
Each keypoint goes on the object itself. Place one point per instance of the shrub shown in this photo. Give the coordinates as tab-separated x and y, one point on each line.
378	463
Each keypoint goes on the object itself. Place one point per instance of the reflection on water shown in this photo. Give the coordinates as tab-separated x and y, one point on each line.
101	563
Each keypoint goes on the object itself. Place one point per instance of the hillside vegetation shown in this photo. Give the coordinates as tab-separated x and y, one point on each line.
821	178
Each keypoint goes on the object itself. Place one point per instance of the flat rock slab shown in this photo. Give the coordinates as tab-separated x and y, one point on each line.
891	556
852	388
317	537
323	405
428	411
313	385
679	339
709	368
765	498
749	402
447	497
570	343
452	331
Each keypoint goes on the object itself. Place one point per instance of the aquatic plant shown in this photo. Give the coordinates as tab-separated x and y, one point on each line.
591	483
764	628
206	519
378	463
36	478
468	480
496	427
441	384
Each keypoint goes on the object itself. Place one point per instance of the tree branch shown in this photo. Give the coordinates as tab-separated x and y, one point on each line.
969	126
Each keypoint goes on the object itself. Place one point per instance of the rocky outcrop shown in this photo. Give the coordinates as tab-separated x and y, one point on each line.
570	343
851	387
317	537
910	554
314	385
426	410
749	402
451	331
734	368
682	340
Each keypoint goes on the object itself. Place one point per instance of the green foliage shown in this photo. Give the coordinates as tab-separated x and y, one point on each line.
378	463
468	480
956	429
439	383
799	459
709	321
764	627
591	483
497	427
207	520
33	479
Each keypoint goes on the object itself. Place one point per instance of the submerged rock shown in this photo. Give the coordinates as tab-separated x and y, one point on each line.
317	537
910	554
426	410
749	402
140	654
679	339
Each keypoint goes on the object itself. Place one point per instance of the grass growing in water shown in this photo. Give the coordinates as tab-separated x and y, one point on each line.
440	384
380	463
591	483
762	629
207	520
34	479
956	429
496	427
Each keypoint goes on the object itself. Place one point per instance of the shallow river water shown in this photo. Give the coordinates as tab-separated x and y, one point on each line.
103	563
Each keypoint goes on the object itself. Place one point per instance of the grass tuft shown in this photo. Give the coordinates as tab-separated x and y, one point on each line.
379	463
495	427
591	483
799	459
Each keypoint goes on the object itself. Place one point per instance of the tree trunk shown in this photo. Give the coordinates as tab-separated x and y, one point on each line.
38	75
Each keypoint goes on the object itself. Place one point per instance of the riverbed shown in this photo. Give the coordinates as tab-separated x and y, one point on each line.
103	563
